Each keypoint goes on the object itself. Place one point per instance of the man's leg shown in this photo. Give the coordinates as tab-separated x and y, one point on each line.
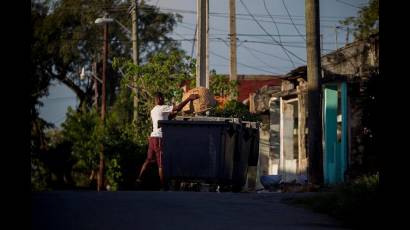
158	151
143	168
161	176
150	154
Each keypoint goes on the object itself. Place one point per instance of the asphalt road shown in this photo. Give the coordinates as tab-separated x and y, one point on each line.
170	210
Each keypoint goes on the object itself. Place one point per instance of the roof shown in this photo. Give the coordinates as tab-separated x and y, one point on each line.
371	39
251	83
301	71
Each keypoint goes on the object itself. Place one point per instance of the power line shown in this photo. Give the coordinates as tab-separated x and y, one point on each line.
283	48
212	28
242	14
267	65
274	22
225	15
251	35
147	7
226	65
59	98
184	26
290	17
244	17
217	39
259	59
348	4
270	36
242	64
217	14
264	35
268	54
270	43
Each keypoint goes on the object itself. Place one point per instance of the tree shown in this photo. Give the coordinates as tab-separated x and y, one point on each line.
235	109
163	72
84	131
124	144
65	39
38	88
221	86
367	22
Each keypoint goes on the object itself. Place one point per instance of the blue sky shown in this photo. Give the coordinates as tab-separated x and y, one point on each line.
257	52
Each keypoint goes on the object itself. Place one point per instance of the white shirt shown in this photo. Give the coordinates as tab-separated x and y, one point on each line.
159	113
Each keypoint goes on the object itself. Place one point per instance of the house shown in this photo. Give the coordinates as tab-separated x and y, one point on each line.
249	84
347	74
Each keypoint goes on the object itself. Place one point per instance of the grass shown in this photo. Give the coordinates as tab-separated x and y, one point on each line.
356	203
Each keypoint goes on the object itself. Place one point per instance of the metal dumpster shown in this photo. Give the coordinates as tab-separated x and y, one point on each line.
253	128
247	138
214	149
198	150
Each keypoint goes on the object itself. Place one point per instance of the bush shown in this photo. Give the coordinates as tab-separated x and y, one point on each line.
123	153
355	203
40	176
235	109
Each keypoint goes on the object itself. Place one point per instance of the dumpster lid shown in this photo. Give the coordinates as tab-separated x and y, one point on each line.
176	122
208	118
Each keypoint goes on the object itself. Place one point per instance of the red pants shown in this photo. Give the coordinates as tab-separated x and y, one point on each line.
155	148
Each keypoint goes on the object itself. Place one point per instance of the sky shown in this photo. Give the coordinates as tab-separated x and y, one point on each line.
258	51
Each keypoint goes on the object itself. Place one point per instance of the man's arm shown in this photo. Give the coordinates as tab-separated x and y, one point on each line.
183	103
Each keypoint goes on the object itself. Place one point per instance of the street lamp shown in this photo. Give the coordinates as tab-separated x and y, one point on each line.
132	36
103	21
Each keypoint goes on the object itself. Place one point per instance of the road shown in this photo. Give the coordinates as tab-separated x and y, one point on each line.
170	210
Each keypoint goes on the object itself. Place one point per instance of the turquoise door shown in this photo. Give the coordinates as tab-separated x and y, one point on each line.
335	132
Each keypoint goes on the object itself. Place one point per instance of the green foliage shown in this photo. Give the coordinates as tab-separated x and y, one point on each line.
124	143
355	203
84	130
221	86
113	174
40	175
65	39
164	72
40	170
364	157
123	152
367	22
235	109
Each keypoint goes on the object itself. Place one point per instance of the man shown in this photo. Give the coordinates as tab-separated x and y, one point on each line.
160	112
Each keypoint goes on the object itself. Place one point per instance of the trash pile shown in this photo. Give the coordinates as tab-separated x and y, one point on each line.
274	183
205	102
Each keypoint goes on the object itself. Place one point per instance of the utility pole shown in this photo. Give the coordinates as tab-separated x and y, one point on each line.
100	181
337	45
94	72
202	67
347	35
207	45
321	45
315	148
232	34
135	53
193	43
